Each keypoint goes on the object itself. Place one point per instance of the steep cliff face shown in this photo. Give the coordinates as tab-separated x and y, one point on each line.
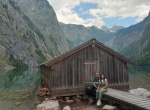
77	34
134	42
29	33
44	18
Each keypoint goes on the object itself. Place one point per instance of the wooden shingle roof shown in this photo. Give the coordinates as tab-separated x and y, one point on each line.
82	46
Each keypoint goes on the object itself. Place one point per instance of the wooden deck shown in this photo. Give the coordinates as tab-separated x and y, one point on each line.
128	100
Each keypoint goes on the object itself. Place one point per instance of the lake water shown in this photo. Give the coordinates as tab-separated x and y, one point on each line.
18	87
139	78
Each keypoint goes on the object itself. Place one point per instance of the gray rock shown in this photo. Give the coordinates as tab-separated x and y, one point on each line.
53	98
69	101
146	94
67	108
79	97
109	107
67	98
46	99
139	91
78	100
49	105
61	100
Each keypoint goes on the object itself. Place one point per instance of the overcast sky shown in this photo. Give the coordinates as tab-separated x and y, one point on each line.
101	12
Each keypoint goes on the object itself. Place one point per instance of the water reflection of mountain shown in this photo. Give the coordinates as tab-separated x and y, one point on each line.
20	79
19	86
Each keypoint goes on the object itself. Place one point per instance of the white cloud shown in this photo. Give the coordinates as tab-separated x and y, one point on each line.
106	8
59	4
64	12
95	21
68	16
122	8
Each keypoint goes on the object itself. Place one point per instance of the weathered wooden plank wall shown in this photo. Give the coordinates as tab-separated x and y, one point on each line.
71	73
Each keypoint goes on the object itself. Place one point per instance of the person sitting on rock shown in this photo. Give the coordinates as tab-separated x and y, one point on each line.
102	88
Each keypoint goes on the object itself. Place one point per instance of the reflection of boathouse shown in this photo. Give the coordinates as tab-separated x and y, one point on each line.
68	73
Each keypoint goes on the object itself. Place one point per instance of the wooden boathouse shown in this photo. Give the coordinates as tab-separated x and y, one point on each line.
68	73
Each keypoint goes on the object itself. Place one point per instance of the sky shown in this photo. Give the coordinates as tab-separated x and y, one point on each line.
101	12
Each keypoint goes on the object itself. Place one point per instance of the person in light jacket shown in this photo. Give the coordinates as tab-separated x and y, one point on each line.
102	88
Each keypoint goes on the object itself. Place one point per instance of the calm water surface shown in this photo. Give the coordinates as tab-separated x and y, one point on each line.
18	88
139	78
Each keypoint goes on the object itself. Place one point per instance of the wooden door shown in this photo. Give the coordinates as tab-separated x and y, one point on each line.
91	67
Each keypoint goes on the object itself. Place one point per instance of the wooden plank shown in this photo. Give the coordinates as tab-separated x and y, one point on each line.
131	100
116	92
128	98
129	105
125	94
118	100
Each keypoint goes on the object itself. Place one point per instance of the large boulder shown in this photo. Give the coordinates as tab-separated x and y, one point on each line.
49	105
146	94
140	92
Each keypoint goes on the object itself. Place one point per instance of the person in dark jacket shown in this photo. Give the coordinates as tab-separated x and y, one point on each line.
92	89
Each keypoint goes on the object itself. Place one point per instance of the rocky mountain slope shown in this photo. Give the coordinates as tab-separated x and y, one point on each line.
115	28
29	33
134	42
77	34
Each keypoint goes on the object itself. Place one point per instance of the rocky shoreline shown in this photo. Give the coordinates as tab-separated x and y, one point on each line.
79	102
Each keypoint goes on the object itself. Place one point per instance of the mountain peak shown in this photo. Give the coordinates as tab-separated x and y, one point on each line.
104	28
113	29
93	26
